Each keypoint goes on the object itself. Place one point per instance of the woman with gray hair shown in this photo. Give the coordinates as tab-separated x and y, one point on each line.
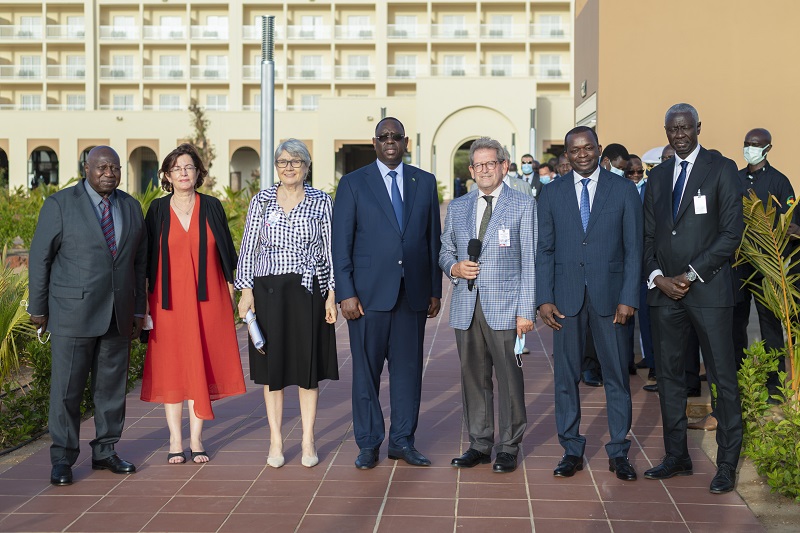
286	279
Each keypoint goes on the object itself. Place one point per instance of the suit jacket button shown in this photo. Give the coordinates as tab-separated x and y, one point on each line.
400	262
583	243
674	232
581	264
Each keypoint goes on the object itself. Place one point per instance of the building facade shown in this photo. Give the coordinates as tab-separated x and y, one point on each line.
123	72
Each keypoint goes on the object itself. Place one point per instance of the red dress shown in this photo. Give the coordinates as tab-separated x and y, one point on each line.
192	352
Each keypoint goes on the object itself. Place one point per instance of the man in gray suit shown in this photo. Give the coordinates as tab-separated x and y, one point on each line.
87	287
588	270
493	301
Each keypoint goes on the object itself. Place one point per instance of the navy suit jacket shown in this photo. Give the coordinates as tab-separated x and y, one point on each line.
606	260
372	253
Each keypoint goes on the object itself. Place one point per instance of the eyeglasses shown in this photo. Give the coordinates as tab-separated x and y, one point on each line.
283	163
490	165
640	171
114	169
384	137
179	170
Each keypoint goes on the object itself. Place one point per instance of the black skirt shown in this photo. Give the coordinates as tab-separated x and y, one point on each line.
300	346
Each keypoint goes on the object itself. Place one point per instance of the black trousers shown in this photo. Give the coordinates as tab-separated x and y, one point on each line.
771	332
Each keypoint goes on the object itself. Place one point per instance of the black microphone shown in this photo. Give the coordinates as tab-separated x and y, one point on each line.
474	251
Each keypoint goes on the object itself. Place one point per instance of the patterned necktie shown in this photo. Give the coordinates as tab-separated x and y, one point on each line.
585	203
677	192
107	225
487	214
397	200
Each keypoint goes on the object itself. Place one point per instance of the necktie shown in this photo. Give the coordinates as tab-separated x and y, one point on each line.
585	203
677	192
397	200
487	214
107	225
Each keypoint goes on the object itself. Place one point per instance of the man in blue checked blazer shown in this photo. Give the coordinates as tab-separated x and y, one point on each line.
588	271
500	307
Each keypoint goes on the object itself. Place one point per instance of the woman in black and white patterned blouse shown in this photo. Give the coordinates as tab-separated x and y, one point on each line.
286	279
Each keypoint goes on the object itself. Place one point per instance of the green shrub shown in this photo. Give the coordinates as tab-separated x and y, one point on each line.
15	326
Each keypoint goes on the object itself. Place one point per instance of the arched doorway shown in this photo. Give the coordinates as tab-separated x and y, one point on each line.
3	169
42	167
461	176
142	169
244	167
82	161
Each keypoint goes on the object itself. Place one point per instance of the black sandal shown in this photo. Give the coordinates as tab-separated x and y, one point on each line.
171	455
199	454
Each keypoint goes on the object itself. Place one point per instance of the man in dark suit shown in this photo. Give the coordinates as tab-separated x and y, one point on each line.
588	268
87	287
693	224
386	230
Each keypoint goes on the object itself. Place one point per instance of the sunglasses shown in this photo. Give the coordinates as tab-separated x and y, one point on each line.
384	137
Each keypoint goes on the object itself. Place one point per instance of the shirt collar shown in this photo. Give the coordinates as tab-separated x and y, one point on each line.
495	193
690	158
593	177
384	170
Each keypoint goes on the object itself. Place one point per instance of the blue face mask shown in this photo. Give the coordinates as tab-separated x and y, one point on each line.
617	171
545	179
640	184
527	168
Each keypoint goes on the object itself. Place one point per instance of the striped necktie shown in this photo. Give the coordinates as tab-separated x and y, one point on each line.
107	225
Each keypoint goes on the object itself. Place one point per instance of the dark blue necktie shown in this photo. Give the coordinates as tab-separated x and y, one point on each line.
585	204
677	192
397	200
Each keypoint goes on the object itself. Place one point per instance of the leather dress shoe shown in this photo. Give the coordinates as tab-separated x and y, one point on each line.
651	387
725	479
651	375
367	458
568	465
115	464
622	466
670	466
592	379
642	364
471	458
61	475
692	393
410	455
707	423
505	463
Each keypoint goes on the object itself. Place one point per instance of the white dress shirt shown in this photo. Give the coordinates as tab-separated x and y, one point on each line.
592	186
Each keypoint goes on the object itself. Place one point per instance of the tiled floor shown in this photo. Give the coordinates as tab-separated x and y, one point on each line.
237	492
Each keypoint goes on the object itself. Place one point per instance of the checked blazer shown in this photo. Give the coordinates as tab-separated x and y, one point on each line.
506	280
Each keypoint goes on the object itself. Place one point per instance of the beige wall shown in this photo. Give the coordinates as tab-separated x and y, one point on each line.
731	59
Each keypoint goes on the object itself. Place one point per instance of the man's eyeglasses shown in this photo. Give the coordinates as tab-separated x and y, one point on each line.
114	169
490	165
179	170
283	163
384	137
641	171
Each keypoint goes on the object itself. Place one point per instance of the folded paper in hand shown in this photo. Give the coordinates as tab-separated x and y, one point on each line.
255	332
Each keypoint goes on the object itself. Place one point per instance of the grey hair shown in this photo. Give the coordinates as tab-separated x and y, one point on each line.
487	143
296	149
682	108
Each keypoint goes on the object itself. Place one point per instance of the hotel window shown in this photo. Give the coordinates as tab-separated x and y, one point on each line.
170	66
30	27
358	66
123	26
172	27
76	66
30	66
31	102
500	26
309	102
122	67
551	26
311	67
217	102
76	102
454	66
169	102
122	102
405	66
405	26
75	27
216	67
308	25
501	65
358	27
453	26
550	66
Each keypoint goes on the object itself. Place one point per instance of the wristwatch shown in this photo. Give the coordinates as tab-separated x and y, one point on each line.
691	275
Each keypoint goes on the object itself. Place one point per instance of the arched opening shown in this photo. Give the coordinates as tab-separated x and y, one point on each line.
244	167
3	169
142	169
462	180
42	167
82	161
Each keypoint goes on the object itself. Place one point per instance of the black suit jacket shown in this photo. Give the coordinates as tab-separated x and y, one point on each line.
705	241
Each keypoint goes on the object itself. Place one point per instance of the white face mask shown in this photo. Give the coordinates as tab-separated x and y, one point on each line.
755	154
617	171
513	174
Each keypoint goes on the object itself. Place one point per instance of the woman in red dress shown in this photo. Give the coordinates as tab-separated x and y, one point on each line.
192	352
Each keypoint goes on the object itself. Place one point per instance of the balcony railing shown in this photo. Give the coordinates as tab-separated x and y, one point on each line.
501	71
113	72
65	32
308	33
503	31
302	107
355	32
407	31
213	33
67	107
121	33
157	72
209	72
253	72
119	107
8	31
454	31
164	107
354	73
308	73
66	72
216	107
550	72
550	32
164	33
454	71
253	33
406	72
21	72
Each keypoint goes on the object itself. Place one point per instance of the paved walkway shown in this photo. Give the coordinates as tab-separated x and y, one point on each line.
237	492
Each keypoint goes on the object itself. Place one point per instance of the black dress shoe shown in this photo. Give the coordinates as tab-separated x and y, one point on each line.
591	378
670	466
61	475
568	465
652	387
367	458
725	479
651	375
471	458
505	463
410	455
115	464
692	393
642	364
703	377
622	466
